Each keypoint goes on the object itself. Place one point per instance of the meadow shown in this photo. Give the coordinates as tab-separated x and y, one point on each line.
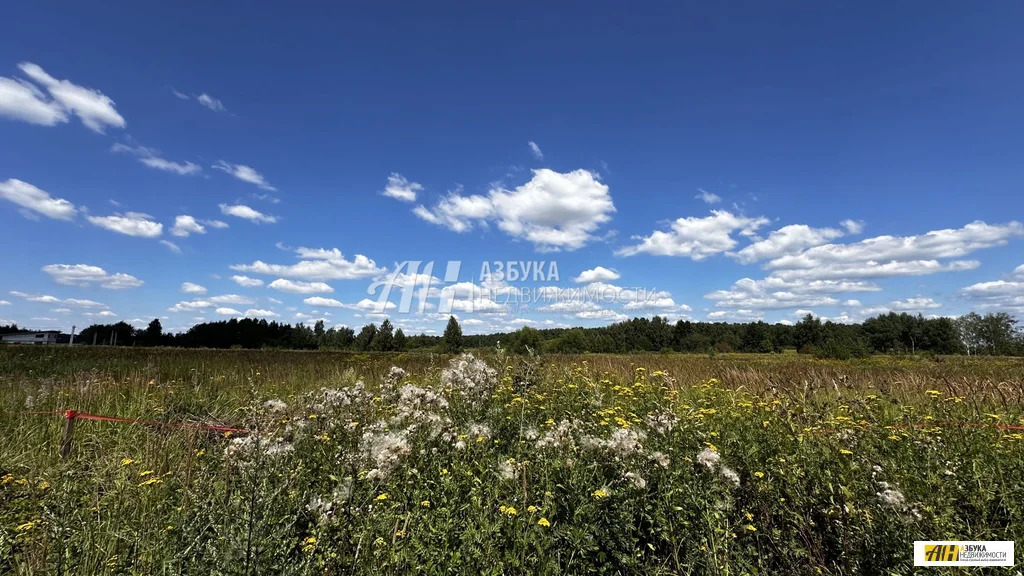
496	464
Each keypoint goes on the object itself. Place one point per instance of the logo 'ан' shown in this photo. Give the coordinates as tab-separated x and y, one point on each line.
941	552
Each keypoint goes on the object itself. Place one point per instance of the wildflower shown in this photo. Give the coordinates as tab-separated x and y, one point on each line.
759	474
751	528
275	405
127	462
394	376
661	459
637	480
425	504
543	522
381	497
400	534
145	473
470	378
892	498
531	509
508	510
507	469
709	458
385	450
26	526
730	475
151	481
44	485
309	544
601	494
845	451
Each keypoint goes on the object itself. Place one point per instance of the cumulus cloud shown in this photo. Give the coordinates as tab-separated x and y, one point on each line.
535	150
553	211
35	200
786	240
708	197
22	100
697	238
323	302
260	313
888	256
185	225
151	158
299	287
1000	295
87	276
47	299
245	174
243	211
776	294
232	299
190	306
317	264
597	274
853	226
190	288
246	281
918	303
401	189
129	224
227	312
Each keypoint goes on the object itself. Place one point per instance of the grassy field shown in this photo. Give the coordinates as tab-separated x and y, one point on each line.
643	464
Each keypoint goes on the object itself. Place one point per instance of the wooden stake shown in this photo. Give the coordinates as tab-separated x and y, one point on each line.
69	431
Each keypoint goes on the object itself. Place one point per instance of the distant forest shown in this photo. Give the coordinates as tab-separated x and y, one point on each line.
892	333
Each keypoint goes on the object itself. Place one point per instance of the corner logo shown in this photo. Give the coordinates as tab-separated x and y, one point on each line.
963	553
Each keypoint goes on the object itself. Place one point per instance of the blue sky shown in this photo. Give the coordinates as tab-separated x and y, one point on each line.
723	162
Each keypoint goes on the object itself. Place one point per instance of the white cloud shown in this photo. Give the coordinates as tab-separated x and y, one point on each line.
786	240
227	312
190	288
243	211
888	256
190	306
535	150
210	102
47	299
232	299
776	294
401	189
321	301
150	158
998	295
918	303
180	95
317	264
708	197
274	300
697	238
260	313
245	174
597	274
185	225
247	282
4	303
85	275
31	198
735	315
853	226
129	224
602	314
299	287
553	211
24	101
214	223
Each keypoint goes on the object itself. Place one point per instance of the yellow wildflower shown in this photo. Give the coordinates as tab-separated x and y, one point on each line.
600	494
845	451
425	503
543	522
127	462
382	496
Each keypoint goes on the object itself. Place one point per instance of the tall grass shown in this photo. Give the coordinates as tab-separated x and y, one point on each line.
602	464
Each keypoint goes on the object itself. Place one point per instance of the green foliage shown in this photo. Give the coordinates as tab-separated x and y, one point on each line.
453	336
609	466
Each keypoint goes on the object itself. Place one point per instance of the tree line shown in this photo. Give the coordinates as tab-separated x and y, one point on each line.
891	333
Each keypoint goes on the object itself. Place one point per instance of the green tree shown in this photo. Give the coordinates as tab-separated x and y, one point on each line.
384	339
399	343
365	338
453	336
808	332
154	333
525	340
